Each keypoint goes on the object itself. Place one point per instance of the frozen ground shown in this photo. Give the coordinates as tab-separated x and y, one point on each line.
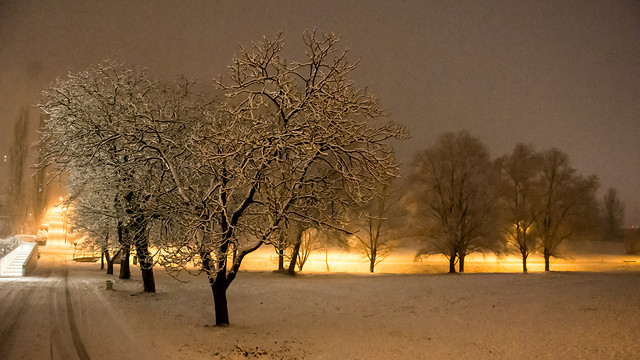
64	312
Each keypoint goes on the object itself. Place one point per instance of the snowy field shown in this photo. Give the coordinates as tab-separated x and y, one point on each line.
590	309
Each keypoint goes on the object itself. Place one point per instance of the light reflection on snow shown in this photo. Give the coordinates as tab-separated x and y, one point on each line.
403	261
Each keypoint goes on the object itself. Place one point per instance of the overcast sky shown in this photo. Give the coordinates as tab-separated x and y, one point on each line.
562	74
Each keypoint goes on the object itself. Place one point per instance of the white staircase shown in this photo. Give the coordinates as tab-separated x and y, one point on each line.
14	263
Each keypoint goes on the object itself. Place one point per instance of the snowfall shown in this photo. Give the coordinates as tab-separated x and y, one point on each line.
588	307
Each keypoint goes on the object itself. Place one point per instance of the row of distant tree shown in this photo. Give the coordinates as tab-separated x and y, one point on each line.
282	153
522	202
458	201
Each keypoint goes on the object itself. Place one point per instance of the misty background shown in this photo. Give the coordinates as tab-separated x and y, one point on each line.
552	74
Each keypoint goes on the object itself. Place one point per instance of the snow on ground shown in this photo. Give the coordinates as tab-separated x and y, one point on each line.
593	313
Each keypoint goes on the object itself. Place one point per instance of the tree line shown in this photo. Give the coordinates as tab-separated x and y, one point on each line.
522	202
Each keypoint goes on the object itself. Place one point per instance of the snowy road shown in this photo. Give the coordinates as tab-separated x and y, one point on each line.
54	314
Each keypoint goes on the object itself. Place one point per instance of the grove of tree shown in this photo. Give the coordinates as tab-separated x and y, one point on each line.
215	178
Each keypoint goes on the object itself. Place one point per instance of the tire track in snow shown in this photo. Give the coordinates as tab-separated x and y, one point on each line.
15	303
11	317
75	334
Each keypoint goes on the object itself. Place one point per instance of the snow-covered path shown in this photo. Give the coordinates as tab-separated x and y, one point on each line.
57	314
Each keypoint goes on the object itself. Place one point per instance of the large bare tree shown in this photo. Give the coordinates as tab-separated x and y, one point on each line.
567	203
292	142
453	183
519	177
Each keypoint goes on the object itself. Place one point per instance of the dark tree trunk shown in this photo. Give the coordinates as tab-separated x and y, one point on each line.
452	264
109	267
105	254
461	263
524	263
102	260
110	261
220	304
547	260
125	271
372	260
148	281
146	266
280	260
125	249
219	283
294	258
144	258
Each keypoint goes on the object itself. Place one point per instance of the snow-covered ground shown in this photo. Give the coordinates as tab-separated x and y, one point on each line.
591	313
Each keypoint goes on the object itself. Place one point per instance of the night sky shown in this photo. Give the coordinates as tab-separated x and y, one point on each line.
562	74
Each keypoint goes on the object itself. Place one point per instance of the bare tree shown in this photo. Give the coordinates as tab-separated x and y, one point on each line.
612	216
293	134
567	203
374	225
452	190
311	240
84	135
520	173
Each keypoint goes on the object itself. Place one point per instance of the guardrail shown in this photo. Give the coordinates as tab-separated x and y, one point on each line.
29	264
32	259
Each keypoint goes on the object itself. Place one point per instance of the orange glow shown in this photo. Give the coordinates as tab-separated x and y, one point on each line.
401	261
54	221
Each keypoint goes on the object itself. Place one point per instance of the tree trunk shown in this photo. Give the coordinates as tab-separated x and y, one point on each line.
372	260
125	249
461	263
148	281
294	258
105	254
280	260
146	262
547	258
109	267
524	263
220	304
452	264
110	260
102	260
125	271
